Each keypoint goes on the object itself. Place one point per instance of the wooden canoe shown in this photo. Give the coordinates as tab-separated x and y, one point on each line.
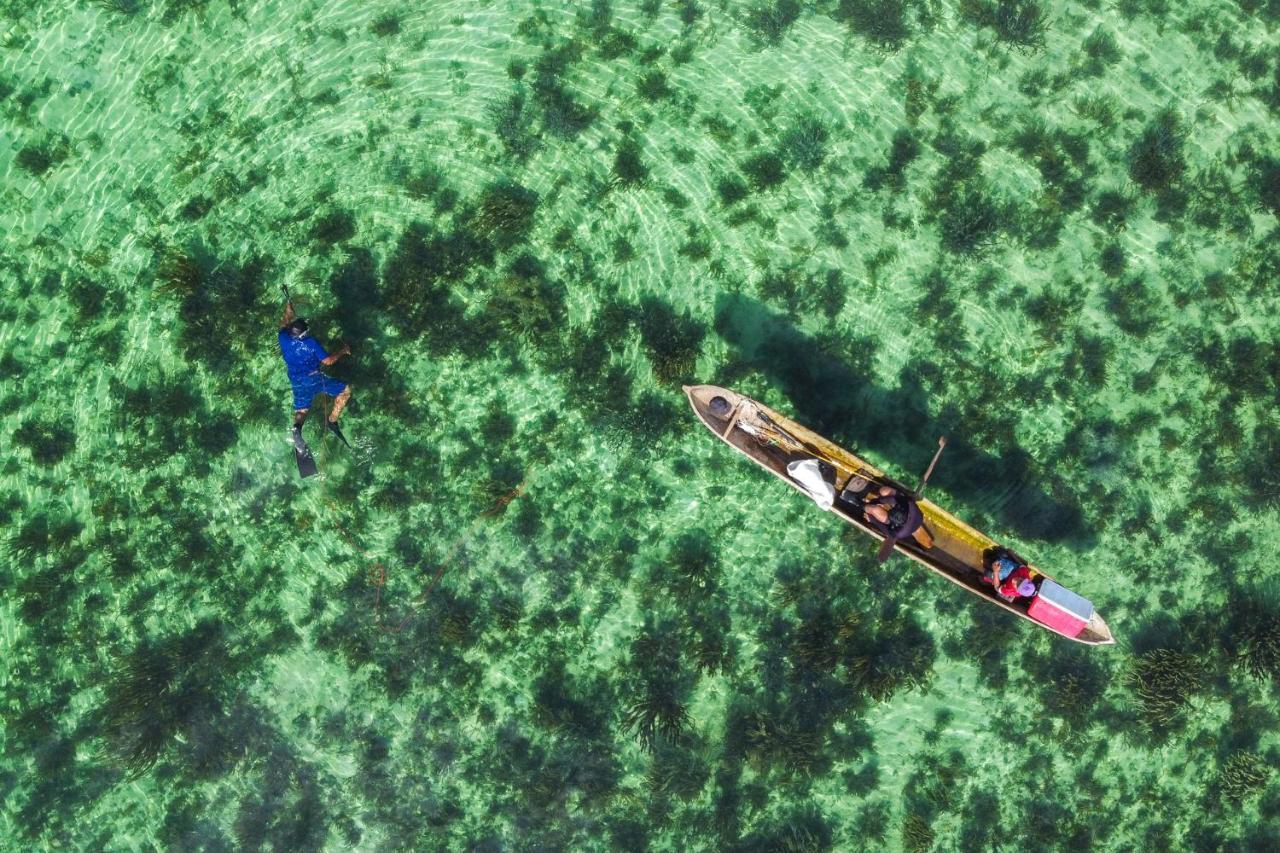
773	440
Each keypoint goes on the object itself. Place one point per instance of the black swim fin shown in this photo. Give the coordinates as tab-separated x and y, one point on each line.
333	428
306	461
302	453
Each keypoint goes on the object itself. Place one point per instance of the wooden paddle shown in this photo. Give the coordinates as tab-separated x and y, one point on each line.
942	442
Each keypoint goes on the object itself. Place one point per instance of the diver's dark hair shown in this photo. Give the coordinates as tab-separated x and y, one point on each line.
298	326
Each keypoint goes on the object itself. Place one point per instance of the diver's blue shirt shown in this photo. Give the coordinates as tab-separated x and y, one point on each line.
302	356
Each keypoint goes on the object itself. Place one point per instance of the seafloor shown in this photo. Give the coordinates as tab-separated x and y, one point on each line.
539	606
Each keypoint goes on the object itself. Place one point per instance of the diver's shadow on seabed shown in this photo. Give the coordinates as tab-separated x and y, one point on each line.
837	396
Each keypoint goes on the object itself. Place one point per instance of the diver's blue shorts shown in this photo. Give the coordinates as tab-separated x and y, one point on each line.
307	387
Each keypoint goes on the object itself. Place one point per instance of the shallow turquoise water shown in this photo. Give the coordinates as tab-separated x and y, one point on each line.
538	606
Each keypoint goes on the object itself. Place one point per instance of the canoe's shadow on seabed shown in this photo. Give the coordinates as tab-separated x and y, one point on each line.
836	395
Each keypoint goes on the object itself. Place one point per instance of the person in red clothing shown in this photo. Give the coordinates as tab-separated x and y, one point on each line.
1015	578
1019	584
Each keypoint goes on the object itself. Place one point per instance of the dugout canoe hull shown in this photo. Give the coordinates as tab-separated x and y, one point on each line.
749	427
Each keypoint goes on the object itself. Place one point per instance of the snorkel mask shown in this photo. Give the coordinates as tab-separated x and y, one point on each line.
298	327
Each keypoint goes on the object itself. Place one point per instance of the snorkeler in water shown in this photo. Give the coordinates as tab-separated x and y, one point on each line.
303	358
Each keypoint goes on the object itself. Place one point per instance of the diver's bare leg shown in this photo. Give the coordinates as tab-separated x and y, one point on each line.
339	403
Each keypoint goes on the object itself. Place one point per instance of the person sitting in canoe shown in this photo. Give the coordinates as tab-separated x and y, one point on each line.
303	357
1016	578
896	515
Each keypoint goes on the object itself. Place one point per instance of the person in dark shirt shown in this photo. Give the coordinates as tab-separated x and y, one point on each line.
303	357
896	515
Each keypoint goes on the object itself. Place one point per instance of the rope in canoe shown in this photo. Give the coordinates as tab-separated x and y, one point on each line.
778	434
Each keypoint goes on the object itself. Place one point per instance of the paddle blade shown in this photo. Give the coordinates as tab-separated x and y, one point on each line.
886	550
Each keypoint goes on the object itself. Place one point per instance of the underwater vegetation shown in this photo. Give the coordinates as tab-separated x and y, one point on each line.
693	564
732	189
659	712
903	150
678	771
803	144
1101	48
1164	682
161	690
561	114
1267	182
628	164
416	279
764	170
800	828
934	787
220	295
653	86
1254	631
1156	158
1242	776
968	220
120	7
672	341
1061	157
917	834
900	657
513	120
48	442
333	227
41	534
781	745
769	20
504	213
178	273
39	158
968	217
1022	24
526	303
385	25
886	23
1070	683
